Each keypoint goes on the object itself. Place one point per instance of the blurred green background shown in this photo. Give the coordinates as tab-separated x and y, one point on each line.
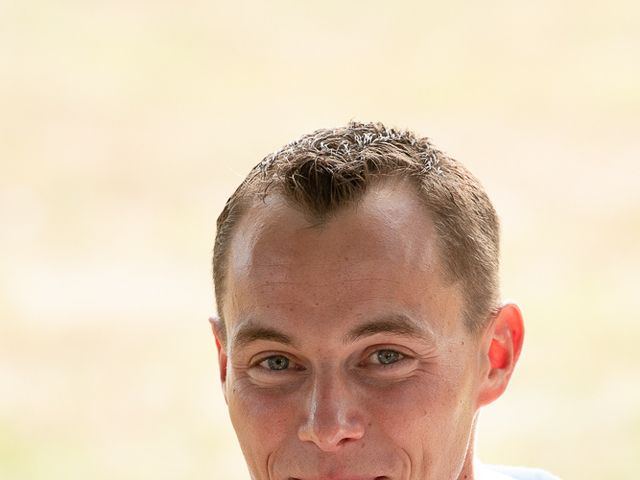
124	126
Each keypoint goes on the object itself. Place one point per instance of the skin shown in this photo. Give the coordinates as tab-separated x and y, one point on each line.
347	357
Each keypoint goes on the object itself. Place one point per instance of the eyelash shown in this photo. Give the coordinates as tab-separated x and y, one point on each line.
291	366
402	358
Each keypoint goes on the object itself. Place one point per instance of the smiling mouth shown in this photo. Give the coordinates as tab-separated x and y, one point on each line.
381	477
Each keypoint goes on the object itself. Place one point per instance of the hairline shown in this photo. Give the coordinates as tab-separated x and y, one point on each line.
378	180
328	169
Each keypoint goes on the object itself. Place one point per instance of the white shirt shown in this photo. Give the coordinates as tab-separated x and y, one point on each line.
502	472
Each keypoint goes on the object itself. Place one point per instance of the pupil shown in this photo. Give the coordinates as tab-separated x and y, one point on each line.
388	356
278	363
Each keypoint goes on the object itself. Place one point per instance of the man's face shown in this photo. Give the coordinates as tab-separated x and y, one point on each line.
347	357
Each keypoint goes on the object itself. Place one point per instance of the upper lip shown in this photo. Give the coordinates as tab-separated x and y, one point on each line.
342	477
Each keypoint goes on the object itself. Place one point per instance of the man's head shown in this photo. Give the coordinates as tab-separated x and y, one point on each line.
359	329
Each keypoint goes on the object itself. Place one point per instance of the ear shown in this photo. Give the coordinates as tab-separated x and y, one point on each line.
216	328
501	346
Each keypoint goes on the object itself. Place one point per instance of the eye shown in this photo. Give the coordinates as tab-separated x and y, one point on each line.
386	357
275	363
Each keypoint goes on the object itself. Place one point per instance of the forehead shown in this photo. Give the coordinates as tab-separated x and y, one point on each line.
389	220
376	254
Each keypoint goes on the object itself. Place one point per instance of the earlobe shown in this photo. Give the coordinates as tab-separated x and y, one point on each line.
216	326
501	350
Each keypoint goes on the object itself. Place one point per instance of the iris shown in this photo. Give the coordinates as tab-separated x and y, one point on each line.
278	362
387	357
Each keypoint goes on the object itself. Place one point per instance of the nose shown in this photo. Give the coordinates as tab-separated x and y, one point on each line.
334	416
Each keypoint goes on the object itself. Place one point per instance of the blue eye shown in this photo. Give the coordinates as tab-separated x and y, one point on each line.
387	357
276	362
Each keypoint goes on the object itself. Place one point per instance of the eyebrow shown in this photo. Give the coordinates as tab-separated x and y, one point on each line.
396	324
249	332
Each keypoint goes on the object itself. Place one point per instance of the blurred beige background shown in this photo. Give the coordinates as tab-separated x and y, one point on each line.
124	126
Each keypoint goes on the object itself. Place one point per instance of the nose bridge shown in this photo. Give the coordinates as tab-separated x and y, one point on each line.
333	415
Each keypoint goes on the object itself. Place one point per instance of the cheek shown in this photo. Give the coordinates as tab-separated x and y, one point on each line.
260	418
434	410
409	406
430	421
